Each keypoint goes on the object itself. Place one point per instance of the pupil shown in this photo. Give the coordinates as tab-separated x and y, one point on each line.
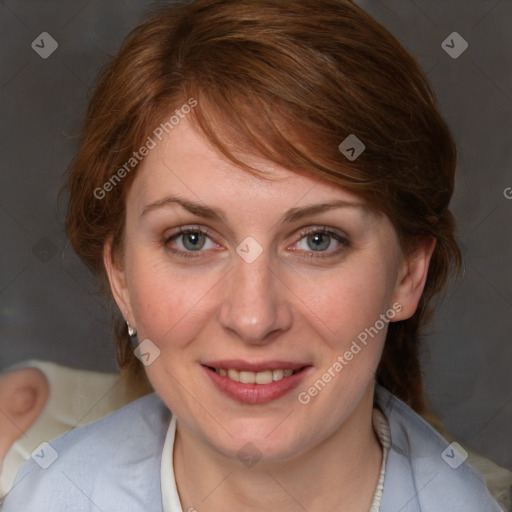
319	241
194	241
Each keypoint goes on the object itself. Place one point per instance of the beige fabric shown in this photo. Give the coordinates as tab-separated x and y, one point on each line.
77	397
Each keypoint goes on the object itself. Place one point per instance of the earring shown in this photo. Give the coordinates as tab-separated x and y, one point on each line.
131	330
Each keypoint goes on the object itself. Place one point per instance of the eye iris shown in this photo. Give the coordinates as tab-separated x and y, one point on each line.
318	241
194	241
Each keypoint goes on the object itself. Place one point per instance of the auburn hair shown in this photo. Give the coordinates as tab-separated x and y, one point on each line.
289	82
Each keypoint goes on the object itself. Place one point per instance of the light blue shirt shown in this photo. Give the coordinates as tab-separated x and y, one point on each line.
113	465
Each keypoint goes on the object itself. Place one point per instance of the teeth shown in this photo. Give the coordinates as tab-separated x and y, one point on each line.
264	377
277	374
247	377
234	375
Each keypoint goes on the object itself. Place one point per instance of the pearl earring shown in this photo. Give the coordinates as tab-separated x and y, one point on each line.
131	330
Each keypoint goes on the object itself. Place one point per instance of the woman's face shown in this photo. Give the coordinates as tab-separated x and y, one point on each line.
233	277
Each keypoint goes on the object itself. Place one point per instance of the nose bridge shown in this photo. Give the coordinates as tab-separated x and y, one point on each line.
254	304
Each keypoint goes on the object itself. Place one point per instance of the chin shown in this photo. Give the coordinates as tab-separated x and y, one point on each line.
258	450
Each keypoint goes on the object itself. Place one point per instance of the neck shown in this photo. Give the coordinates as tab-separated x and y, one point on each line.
341	473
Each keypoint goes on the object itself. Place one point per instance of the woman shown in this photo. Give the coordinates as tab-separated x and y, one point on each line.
263	186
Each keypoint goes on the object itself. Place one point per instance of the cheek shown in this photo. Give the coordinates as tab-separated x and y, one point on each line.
166	302
343	304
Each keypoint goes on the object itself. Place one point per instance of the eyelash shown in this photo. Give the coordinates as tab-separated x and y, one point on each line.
184	231
343	242
302	234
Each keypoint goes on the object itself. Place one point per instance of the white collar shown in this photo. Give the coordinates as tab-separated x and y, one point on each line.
170	497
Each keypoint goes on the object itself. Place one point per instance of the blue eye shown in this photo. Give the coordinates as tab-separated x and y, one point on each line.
188	241
191	242
321	241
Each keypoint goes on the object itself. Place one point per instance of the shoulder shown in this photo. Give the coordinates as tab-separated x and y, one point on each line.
113	463
423	471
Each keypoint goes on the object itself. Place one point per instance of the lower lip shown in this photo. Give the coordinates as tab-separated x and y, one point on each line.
256	393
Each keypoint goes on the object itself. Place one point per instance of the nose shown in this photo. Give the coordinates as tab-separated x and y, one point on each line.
255	306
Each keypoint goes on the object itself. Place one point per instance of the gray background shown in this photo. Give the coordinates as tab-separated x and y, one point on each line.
48	305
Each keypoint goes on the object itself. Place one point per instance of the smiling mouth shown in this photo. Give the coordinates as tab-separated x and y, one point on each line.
252	382
248	377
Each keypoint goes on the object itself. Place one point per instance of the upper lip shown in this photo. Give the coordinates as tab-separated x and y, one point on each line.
255	366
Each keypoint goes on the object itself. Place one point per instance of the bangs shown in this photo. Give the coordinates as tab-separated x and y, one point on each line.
244	125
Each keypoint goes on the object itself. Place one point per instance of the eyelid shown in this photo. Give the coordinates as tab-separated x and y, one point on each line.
192	228
321	229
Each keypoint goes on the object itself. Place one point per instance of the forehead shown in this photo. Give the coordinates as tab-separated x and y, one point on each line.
185	162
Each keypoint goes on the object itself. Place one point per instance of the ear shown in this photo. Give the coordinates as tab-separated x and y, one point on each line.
23	395
117	280
412	277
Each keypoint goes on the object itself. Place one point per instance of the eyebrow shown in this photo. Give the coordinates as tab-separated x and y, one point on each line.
292	215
